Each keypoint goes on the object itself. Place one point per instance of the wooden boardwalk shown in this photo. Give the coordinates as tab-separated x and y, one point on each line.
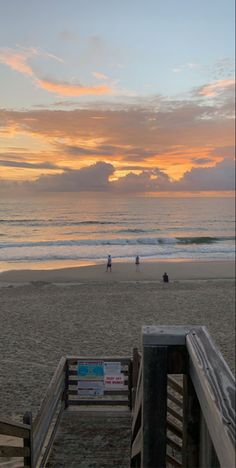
92	439
173	405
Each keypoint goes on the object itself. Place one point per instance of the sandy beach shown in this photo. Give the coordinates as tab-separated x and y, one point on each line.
86	311
124	271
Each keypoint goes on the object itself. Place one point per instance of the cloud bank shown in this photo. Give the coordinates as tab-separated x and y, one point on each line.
97	177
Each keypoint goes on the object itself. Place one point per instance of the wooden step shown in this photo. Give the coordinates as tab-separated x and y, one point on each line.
92	440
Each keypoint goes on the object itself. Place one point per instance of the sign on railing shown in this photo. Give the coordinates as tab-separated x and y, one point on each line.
95	377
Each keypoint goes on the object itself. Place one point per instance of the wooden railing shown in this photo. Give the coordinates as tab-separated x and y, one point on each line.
188	420
21	433
47	420
35	437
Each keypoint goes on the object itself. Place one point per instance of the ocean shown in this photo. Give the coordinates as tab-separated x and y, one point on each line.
60	230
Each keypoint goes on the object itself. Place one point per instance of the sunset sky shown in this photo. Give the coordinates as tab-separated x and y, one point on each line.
127	95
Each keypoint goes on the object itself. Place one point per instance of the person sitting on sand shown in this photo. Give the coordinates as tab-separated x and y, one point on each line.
137	262
165	278
109	263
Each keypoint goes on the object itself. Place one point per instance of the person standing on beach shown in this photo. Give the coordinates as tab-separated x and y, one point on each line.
109	263
137	262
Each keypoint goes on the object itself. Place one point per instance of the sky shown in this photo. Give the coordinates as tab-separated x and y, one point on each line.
122	96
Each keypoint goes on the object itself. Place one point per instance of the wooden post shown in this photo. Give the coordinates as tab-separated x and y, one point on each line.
130	381
28	442
65	393
154	406
191	425
164	352
136	362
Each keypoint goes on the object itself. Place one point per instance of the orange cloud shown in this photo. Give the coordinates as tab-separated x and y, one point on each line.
213	89
67	89
17	60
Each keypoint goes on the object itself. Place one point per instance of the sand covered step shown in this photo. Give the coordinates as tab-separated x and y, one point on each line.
92	440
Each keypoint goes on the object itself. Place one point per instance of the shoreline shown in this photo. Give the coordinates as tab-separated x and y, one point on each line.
125	271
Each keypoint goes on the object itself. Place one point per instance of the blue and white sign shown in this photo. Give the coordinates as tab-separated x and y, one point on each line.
90	370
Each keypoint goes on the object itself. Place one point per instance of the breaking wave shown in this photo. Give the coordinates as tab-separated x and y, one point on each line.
119	241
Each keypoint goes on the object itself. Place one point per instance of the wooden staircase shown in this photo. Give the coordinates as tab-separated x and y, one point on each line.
173	405
92	439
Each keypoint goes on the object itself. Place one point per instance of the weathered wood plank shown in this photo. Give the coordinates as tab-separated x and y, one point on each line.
140	376
154	407
138	404
207	454
173	461
175	414
175	385
43	425
92	439
55	394
136	364
98	402
51	439
10	451
165	335
177	430
135	372
173	444
14	429
137	444
175	400
215	388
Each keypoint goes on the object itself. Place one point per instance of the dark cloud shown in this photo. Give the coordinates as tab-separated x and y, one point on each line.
133	153
148	181
98	151
202	161
219	177
28	165
92	178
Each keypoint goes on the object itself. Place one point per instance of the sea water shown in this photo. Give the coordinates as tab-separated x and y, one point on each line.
74	228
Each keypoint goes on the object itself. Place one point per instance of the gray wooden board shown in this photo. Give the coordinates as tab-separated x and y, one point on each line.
165	335
14	429
215	387
9	451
